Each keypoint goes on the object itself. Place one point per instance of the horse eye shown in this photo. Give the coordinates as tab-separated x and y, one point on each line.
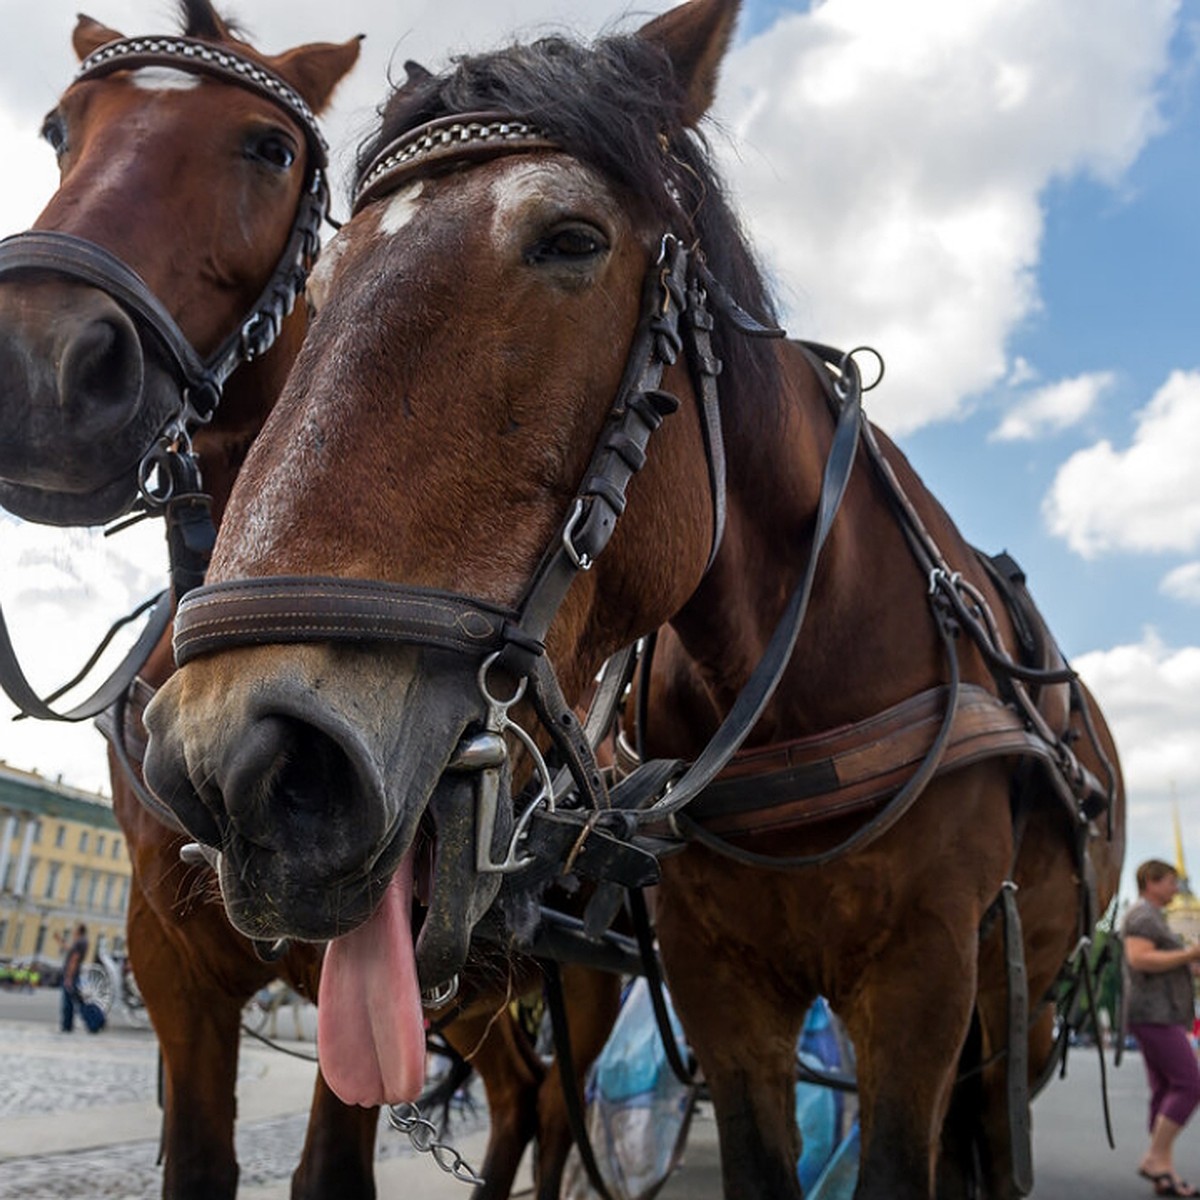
54	130
569	243
273	149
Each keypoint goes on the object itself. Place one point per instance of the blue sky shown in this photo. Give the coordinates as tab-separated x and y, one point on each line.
1120	291
1002	195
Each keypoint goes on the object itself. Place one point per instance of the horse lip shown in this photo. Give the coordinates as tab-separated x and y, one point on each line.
46	507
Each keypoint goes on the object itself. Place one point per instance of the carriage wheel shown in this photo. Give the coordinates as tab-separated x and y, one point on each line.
96	987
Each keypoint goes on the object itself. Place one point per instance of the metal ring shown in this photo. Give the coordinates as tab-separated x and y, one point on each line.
481	678
848	357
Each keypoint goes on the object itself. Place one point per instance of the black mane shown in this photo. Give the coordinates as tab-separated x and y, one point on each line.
616	106
200	20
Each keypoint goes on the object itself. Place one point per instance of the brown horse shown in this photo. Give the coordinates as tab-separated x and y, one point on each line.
209	184
74	439
537	233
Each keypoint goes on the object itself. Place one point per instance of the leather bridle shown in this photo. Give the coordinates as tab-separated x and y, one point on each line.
676	322
169	479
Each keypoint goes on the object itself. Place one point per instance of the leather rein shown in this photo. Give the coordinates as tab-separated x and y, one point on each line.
169	479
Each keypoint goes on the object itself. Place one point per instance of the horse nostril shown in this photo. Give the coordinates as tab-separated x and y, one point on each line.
101	370
286	784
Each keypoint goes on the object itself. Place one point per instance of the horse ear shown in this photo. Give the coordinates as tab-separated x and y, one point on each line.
415	73
90	35
316	69
695	36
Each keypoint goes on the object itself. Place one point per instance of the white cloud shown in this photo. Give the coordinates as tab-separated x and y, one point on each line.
1183	583
1150	694
1143	498
1053	408
892	159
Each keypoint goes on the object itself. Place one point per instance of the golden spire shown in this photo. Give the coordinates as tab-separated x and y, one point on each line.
1180	865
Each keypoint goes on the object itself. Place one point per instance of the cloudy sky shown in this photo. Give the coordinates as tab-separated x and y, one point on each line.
1000	195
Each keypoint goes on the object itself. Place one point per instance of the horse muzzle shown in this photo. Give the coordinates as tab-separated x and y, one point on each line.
314	799
82	399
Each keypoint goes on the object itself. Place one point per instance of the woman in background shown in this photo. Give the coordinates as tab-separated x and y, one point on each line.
1161	1011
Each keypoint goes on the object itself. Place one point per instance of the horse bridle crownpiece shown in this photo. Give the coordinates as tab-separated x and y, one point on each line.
169	478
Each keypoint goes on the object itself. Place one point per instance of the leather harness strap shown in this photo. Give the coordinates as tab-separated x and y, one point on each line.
844	771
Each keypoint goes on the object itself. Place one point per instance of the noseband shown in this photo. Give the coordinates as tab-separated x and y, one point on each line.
675	322
200	380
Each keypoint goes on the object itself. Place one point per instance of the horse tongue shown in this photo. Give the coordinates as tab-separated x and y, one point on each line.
370	1029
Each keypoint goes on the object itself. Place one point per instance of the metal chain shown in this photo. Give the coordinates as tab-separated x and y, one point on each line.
423	1134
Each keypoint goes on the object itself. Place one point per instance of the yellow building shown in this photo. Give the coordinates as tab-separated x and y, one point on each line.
63	860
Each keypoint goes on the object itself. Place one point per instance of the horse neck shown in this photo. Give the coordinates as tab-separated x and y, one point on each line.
867	593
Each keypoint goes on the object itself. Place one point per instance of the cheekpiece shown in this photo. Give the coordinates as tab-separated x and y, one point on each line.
467	137
205	58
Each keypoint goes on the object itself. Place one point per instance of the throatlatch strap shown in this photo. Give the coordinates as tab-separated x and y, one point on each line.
1017	1063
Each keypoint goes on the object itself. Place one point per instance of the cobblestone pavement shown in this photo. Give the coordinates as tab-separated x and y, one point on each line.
52	1081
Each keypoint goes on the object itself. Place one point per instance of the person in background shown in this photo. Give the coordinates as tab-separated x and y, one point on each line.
76	956
1159	970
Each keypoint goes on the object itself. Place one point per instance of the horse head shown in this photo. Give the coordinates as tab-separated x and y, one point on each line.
115	334
496	336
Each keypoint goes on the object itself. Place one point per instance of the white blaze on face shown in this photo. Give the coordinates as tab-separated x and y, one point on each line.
400	208
164	79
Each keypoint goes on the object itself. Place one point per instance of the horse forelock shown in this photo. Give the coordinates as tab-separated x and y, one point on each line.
200	19
616	106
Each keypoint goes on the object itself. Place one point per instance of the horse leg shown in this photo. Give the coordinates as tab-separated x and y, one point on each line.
592	999
744	1033
197	1028
339	1150
511	1073
907	1062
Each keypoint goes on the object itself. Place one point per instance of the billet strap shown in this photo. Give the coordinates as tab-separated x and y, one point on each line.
317	608
557	1006
1020	1132
21	693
